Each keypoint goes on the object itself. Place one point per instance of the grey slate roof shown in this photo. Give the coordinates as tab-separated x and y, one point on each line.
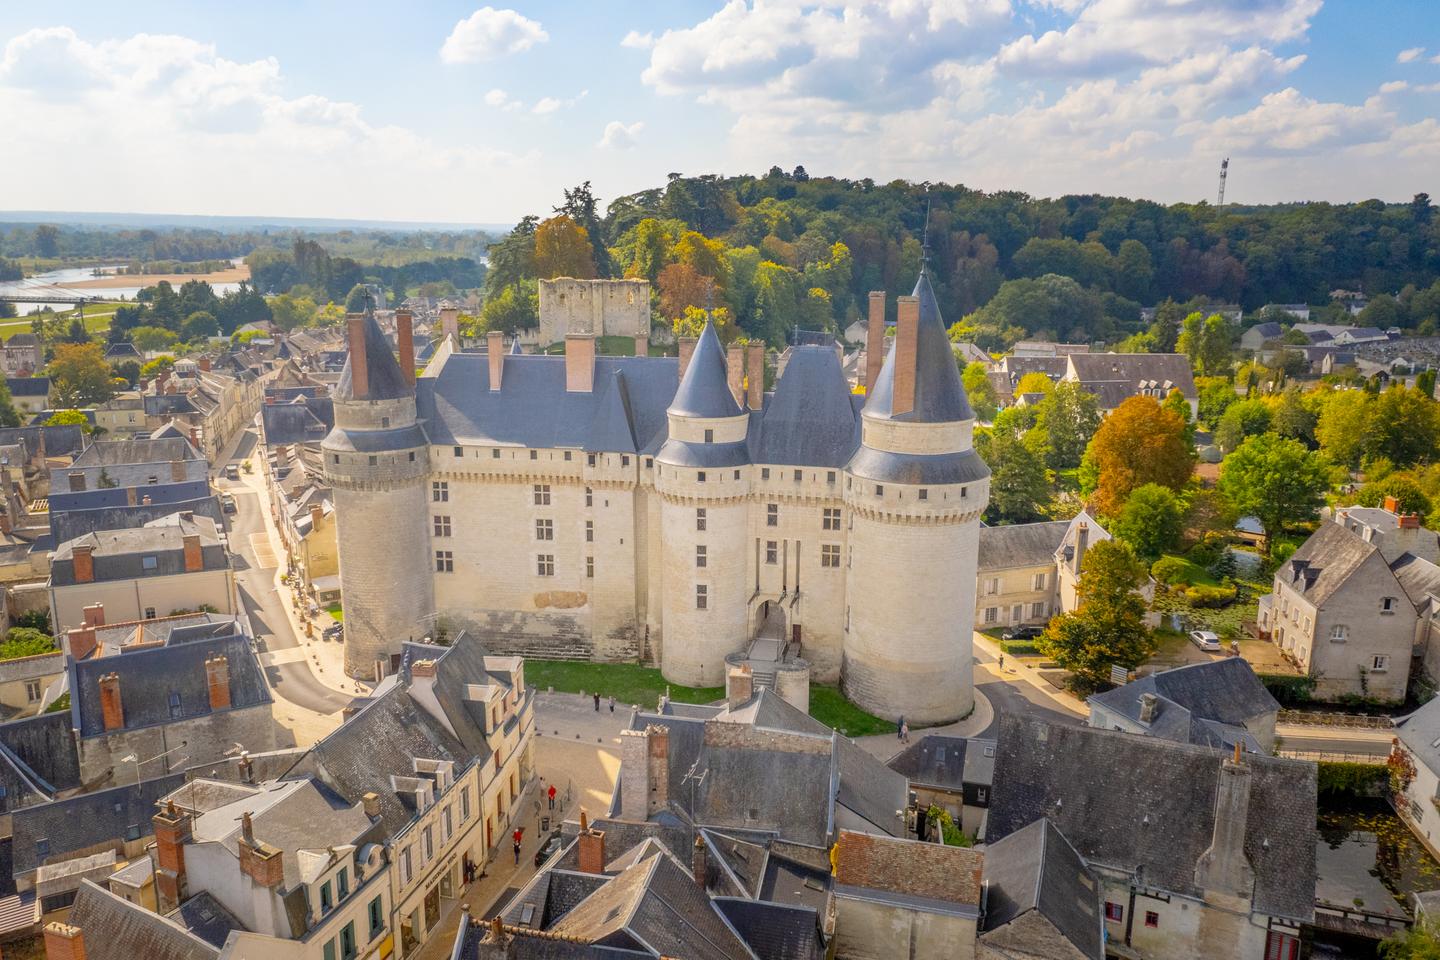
1137	369
1420	732
1021	544
1418	577
1226	691
28	386
811	419
1036	868
946	762
51	831
386	381
1161	823
1017	367
109	453
166	684
939	394
37	759
303	420
1325	561
885	466
774	931
116	929
704	391
52	441
206	918
120	554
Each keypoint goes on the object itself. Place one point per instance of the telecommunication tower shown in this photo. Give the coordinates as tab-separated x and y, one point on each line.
1224	169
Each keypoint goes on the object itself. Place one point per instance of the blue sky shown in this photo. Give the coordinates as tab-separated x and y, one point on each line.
456	111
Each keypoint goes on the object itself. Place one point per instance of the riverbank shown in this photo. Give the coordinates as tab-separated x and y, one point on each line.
234	274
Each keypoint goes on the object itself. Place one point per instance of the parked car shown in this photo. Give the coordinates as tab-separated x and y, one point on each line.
1206	640
548	848
232	471
333	633
1028	631
227	503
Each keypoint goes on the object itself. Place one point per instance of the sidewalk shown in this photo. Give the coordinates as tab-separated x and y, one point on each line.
1016	670
883	746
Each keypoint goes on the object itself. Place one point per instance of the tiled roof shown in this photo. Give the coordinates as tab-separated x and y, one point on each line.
1020	544
1036	868
704	391
116	929
933	871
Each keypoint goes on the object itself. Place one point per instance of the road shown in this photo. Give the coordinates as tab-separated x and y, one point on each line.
262	600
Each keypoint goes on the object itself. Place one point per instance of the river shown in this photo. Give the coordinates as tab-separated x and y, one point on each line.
46	284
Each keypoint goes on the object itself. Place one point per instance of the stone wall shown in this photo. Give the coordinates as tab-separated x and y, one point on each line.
600	307
866	930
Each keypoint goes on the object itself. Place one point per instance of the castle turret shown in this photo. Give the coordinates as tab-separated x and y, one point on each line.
915	489
377	461
702	476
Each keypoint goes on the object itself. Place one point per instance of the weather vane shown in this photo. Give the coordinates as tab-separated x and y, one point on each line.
925	237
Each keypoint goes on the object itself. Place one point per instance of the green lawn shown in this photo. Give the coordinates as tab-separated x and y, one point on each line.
1192	574
97	319
610	347
829	706
337	612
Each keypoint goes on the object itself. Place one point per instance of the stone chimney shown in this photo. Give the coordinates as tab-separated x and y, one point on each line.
450	323
422	668
687	348
371	803
1224	870
1149	704
698	867
405	344
259	861
80	642
592	846
77	482
112	709
64	942
495	353
875	339
644	772
739	685
217	679
642	345
246	767
579	363
194	560
177	467
907	341
755	373
172	827
82	557
735	372
1082	542
359	372
317	515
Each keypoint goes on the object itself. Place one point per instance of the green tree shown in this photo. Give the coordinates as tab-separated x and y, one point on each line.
358	299
514	308
1420	942
1343	428
9	416
1178	405
47	240
146	339
1019	489
980	390
80	375
1134	271
1108	627
1411	498
1405	428
1166	327
1052	305
1207	341
1151	521
152	368
70	418
1276	480
1068	417
200	325
1215	394
291	312
1247	418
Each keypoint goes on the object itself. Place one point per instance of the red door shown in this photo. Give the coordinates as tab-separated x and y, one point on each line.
1280	946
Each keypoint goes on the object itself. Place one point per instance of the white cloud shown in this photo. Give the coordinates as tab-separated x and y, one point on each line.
1393	86
1288	122
620	136
489	33
1428	88
638	41
1405	56
551	104
501	100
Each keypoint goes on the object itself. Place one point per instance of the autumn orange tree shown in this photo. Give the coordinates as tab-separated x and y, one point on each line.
562	249
680	286
1140	442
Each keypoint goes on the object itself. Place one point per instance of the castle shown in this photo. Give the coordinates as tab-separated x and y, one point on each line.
668	511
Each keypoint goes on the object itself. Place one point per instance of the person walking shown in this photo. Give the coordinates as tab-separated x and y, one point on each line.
612	703
904	731
551	794
517	853
900	729
597	701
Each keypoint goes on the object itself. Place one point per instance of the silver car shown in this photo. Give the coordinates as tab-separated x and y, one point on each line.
1206	640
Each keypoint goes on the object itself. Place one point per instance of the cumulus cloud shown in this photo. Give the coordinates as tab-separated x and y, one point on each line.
638	41
501	100
489	33
620	136
551	104
1406	56
1393	86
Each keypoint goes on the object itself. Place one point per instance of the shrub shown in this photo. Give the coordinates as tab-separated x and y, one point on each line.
1282	551
1288	689
25	642
1169	570
61	704
1354	779
1200	595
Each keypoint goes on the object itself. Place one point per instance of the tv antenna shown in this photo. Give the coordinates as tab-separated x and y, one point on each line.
1224	170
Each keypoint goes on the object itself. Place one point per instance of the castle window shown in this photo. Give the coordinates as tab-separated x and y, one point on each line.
700	477
589	497
590	459
545	565
764	473
924	494
737	474
440	492
830	555
699	518
702	597
335	458
709	436
444	561
772	514
541	492
589	531
412	456
459	451
384	423
374	460
1387	605
772	551
879	490
567	455
544	529
700	557
624	460
829	476
442	526
590	567
964	492
649	463
534	454
831	518
799	475
495	454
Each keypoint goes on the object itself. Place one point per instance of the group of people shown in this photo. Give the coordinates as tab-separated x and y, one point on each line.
597	703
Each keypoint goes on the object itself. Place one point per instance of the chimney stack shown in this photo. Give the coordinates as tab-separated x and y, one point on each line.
735	372
217	678
874	339
1392	504
1224	868
317	514
1148	704
592	847
82	558
93	615
194	559
642	345
755	373
907	341
579	363
359	372
177	467
687	347
259	861
698	866
205	364
739	685
246	767
371	802
1082	542
405	344
450	323
64	942
495	353
80	642
77	482
112	709
172	828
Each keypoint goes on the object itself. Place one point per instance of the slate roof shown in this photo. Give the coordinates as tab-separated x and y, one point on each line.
704	391
1136	369
53	830
109	453
1021	544
206	918
1017	367
51	441
116	929
945	762
303	420
1159	826
121	554
28	386
37	760
386	381
165	684
1420	732
1226	691
939	394
811	419
1036	868
1266	331
1418	577
1324	562
774	931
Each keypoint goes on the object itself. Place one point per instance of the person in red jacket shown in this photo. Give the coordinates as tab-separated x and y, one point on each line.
551	794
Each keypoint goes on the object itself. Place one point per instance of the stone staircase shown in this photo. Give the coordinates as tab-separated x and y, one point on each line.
761	678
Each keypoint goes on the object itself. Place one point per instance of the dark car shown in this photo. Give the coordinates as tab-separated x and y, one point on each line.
1027	631
333	633
547	849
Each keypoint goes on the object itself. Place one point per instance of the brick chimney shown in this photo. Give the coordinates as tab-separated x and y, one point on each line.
422	668
205	364
82	558
177	467
495	353
80	642
64	942
739	685
642	345
875	339
735	372
907	341
405	344
93	615
172	827
1149	703
1392	505
359	372
1224	868
217	679
755	373
317	514
77	482
698	867
194	559
687	347
592	846
450	323
259	861
579	362
112	710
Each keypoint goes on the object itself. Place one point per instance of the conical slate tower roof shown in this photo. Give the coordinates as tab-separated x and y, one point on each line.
387	380
939	394
705	390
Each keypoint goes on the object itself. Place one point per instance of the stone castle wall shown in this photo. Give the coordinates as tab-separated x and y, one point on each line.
602	307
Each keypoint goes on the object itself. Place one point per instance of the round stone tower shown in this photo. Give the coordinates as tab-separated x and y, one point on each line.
377	462
702	475
915	489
